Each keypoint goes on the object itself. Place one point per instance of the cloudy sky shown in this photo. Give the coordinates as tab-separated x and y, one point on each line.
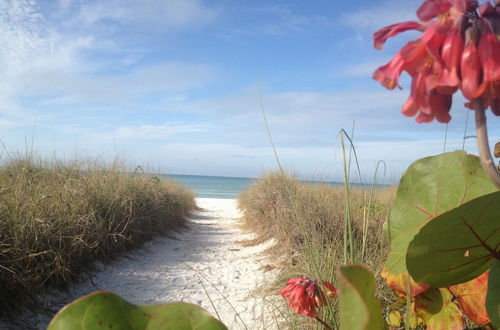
174	85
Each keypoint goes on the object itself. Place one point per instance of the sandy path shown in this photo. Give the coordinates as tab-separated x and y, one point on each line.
168	270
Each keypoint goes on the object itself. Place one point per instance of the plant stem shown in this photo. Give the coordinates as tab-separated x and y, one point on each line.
483	145
326	325
408	303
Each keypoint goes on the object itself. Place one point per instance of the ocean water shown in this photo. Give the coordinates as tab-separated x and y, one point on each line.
213	186
231	187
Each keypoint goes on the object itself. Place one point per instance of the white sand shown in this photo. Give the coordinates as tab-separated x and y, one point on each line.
169	270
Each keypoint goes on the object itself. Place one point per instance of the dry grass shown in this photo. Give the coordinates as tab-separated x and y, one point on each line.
56	219
307	221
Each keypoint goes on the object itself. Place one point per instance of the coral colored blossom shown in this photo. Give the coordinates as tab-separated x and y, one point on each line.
459	49
305	295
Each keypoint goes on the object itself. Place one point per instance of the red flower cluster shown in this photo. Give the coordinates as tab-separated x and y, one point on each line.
306	294
459	49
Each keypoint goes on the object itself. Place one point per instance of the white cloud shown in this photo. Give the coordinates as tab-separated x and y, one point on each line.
135	133
157	14
279	20
161	77
6	123
23	38
379	15
300	109
41	56
362	69
30	44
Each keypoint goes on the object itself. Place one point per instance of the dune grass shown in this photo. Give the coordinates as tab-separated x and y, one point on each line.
57	218
307	221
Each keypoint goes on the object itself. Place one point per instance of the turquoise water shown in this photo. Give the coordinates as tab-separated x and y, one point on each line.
226	187
213	186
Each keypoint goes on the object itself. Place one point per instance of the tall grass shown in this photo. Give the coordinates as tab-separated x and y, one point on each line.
57	218
308	218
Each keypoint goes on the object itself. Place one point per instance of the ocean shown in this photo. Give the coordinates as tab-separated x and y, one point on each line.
229	187
213	186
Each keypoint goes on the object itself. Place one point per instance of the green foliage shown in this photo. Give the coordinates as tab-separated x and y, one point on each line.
268	211
106	310
493	296
430	187
358	307
457	245
436	308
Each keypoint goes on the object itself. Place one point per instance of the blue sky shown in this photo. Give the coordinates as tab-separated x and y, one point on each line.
174	85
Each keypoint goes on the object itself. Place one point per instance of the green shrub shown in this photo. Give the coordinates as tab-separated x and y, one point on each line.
307	222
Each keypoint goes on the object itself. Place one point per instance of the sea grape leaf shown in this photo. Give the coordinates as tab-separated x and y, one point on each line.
438	311
431	186
471	298
399	283
106	310
458	245
493	295
358	307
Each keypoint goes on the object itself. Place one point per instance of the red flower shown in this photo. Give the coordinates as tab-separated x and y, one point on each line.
432	8
459	49
451	53
471	67
306	294
388	75
382	35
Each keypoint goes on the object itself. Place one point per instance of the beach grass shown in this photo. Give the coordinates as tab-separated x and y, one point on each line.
307	221
57	218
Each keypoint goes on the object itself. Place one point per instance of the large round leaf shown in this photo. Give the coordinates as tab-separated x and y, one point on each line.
458	245
106	310
358	307
431	186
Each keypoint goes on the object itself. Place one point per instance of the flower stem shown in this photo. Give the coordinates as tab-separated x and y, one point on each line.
483	145
326	325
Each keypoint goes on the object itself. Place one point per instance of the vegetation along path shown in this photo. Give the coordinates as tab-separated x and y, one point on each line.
204	265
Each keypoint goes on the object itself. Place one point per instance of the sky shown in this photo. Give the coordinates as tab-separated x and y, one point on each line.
175	86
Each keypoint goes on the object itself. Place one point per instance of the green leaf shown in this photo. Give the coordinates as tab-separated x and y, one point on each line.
431	186
458	245
493	296
358	307
106	310
430	303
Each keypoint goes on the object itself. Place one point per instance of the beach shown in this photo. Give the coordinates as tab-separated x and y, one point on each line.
204	264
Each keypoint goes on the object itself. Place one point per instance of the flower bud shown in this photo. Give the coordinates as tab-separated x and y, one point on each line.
305	294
